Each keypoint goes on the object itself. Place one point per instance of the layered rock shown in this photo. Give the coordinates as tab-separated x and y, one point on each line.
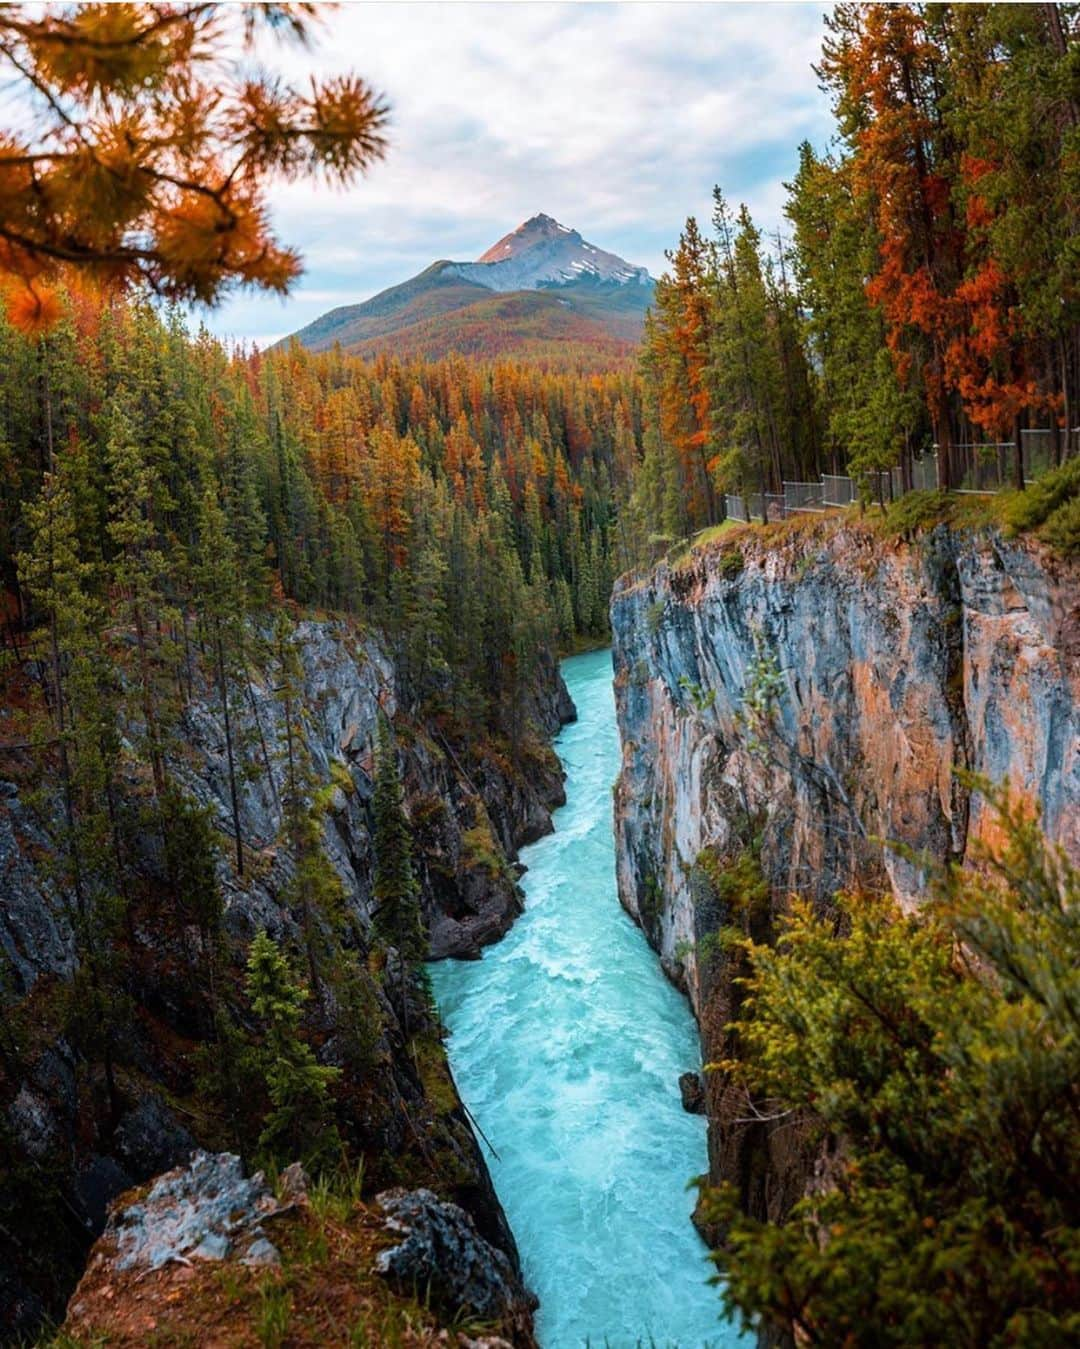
61	1136
884	666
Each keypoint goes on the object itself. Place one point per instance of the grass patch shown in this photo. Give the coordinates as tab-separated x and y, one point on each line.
479	849
682	552
430	1059
325	1292
1051	505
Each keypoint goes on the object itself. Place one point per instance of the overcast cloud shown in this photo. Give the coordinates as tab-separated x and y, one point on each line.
614	118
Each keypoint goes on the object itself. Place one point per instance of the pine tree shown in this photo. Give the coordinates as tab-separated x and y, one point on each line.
120	173
300	1120
942	1051
397	921
138	564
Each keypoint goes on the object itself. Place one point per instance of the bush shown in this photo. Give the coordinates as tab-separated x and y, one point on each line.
917	511
942	1052
1043	498
738	881
731	563
1062	529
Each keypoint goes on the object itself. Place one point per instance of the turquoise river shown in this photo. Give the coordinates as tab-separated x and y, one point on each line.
567	1043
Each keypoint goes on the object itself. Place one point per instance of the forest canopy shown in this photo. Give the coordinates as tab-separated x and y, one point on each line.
928	291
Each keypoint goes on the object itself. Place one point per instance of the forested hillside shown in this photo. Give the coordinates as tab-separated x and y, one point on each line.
215	570
925	291
470	513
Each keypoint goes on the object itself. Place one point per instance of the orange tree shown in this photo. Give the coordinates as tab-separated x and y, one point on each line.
143	150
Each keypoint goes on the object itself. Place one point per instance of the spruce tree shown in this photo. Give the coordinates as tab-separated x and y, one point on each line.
397	921
300	1120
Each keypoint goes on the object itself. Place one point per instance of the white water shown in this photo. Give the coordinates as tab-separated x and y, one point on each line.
567	1043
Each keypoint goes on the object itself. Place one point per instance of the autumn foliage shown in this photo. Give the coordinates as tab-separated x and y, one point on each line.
148	147
961	127
930	294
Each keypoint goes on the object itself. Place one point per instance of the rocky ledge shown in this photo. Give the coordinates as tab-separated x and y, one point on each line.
209	1255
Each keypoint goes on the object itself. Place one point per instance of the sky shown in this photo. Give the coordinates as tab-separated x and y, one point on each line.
616	119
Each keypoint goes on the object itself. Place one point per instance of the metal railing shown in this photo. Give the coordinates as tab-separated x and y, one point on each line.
984	467
774	506
745	508
837	491
924	475
803	496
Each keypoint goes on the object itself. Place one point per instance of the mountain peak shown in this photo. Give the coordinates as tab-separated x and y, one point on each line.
542	252
581	294
531	232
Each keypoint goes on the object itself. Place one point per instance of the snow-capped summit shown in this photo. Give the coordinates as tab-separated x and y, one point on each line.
542	253
540	293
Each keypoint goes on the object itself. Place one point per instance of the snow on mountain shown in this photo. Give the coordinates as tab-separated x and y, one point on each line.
541	290
541	253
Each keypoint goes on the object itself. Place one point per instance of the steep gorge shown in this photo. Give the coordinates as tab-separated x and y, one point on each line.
70	1143
886	665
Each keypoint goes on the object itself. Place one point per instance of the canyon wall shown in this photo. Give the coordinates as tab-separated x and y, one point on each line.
68	1143
877	668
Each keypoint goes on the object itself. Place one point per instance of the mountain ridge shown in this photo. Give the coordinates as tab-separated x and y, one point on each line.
541	292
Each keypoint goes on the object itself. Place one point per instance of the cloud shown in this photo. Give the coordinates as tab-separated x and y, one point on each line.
615	118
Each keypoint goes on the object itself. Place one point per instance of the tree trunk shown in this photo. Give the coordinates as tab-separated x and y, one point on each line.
945	476
1055	439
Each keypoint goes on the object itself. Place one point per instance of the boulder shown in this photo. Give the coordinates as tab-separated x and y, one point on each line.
441	1251
692	1090
204	1211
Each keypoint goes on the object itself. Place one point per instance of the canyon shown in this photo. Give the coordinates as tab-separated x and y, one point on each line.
70	1146
794	704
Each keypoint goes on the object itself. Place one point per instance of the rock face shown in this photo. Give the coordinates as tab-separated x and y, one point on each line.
692	1091
894	664
469	810
440	1250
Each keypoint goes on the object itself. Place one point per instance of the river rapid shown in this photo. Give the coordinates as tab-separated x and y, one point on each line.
567	1043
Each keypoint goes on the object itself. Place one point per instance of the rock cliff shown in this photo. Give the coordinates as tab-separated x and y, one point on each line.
68	1146
786	698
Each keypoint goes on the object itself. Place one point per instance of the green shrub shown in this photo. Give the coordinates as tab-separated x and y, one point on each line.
1062	529
942	1050
917	511
1042	498
731	563
479	849
703	700
738	881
